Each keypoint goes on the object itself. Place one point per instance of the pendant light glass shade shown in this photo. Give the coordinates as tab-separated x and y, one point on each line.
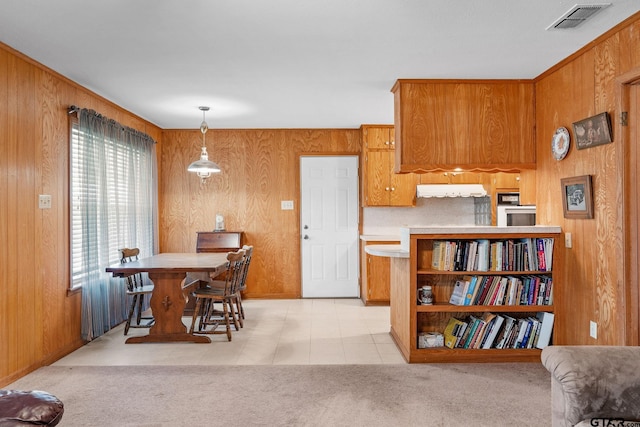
204	167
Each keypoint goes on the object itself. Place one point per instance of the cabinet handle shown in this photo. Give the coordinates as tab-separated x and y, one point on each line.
387	189
386	143
393	188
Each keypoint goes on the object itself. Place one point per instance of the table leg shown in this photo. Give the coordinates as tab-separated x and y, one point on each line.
167	304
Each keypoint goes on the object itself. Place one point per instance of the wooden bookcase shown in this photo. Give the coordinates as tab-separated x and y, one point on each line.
408	318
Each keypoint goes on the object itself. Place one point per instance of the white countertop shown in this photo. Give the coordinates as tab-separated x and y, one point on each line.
464	229
379	238
390	251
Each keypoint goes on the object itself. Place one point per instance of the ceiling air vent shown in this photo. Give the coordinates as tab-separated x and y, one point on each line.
577	15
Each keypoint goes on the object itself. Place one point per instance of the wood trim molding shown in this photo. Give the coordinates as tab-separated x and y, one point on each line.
628	163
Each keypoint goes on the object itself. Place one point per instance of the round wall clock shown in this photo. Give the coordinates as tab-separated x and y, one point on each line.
560	143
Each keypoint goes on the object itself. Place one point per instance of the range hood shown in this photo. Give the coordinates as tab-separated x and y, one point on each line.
451	190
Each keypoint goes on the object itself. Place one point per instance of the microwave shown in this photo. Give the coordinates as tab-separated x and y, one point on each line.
515	216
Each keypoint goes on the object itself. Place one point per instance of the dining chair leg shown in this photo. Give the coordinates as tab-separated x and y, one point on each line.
195	315
227	322
234	314
131	309
140	306
240	306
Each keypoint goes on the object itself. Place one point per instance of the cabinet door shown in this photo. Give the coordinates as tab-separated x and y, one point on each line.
376	173
507	181
383	186
378	138
402	186
378	277
472	124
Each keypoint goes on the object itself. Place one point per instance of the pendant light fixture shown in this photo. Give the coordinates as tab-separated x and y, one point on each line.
204	167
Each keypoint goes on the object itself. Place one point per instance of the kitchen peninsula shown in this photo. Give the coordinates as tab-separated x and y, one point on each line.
525	258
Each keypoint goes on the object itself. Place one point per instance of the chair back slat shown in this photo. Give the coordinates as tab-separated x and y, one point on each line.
245	268
133	281
235	262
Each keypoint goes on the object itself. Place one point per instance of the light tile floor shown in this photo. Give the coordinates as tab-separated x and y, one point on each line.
278	332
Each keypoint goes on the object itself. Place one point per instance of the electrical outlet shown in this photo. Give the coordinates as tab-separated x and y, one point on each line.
568	242
286	205
44	201
593	330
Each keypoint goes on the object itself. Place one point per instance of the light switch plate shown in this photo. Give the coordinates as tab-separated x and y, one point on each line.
44	201
286	205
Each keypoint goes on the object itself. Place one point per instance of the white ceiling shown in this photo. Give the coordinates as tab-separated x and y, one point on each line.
288	63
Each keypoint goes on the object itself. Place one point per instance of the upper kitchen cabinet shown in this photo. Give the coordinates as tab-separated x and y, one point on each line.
378	137
380	185
481	125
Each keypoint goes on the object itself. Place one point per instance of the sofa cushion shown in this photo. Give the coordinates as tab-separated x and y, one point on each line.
35	407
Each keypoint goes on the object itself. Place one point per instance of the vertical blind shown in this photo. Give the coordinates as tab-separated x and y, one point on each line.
113	195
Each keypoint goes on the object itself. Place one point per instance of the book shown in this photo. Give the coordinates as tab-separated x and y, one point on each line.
458	294
472	258
495	282
435	255
493	331
548	252
527	324
473	328
531	257
485	320
498	298
542	265
486	285
483	255
523	327
546	326
470	290
461	332
535	330
451	332
503	336
465	334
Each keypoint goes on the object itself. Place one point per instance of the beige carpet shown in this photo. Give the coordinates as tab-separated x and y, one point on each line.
272	395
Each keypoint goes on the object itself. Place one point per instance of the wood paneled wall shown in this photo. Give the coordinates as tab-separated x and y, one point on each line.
591	287
260	168
39	321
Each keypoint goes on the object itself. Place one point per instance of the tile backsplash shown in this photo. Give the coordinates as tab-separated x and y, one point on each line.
427	212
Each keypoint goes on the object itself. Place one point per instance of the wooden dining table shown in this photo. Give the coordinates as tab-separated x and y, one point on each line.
167	272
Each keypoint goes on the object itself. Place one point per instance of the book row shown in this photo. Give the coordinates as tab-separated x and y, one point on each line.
499	331
528	254
503	290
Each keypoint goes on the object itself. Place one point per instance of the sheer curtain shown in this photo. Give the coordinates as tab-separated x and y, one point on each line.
113	206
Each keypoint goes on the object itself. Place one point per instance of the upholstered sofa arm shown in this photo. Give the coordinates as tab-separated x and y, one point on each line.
593	383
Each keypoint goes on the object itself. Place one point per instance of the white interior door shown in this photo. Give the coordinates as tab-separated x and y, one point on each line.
329	226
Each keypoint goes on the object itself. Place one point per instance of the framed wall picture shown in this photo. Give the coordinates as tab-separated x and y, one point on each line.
577	197
593	131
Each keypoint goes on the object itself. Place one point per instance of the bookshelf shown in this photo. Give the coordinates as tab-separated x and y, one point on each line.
409	319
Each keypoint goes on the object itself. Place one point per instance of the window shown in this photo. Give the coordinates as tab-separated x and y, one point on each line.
112	195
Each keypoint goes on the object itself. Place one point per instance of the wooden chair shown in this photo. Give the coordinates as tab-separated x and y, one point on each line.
224	292
137	290
243	279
